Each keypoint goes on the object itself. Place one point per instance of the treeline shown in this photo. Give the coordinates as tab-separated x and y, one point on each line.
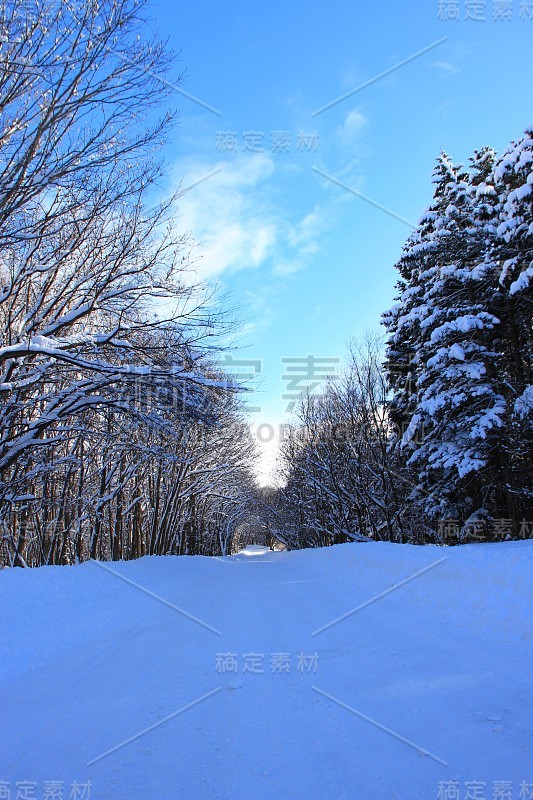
433	439
118	435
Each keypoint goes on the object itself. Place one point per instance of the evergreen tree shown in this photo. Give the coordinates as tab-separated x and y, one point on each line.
461	333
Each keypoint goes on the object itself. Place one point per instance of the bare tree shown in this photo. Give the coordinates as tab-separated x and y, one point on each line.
343	480
103	376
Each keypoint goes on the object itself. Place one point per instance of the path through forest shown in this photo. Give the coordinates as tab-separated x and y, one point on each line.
418	686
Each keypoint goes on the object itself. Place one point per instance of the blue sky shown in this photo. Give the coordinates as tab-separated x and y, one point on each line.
310	263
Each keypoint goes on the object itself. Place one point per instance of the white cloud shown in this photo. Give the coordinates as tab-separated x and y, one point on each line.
350	130
446	66
304	237
303	233
229	214
236	221
283	268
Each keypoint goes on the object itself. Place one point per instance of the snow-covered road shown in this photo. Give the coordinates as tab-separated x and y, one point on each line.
422	691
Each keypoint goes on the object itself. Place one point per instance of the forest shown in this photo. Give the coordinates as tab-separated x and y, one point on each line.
121	437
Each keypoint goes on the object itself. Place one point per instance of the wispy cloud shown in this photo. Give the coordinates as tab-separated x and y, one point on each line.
446	66
354	124
231	211
352	190
229	215
304	234
284	267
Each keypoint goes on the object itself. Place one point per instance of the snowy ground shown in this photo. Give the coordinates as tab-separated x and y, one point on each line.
440	664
